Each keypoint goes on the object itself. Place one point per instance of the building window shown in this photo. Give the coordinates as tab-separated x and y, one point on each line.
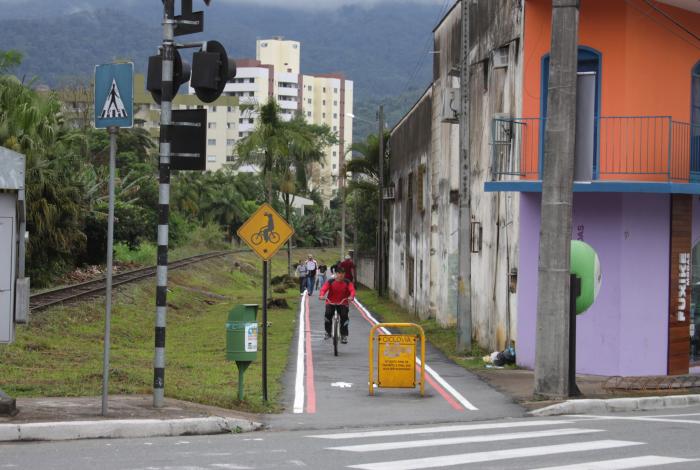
335	90
230	158
229	125
230	109
263	44
309	87
240	121
199	106
335	154
308	113
211	158
324	102
251	120
324	115
308	100
213	109
230	142
211	142
399	189
335	115
334	165
420	188
335	102
695	124
324	89
211	125
240	134
250	93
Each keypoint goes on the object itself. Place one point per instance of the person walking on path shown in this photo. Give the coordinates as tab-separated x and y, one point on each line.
349	268
321	278
301	273
340	292
311	267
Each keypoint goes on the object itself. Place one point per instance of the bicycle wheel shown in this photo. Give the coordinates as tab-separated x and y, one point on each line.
274	237
336	334
256	239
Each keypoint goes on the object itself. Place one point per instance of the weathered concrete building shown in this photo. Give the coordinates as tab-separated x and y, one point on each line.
424	173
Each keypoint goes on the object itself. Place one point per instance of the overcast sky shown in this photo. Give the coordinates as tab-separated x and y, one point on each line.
329	3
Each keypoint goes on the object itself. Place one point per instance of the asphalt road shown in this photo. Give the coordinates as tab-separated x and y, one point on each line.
665	440
334	390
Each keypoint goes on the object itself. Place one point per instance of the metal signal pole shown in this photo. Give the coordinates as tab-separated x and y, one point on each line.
168	55
380	237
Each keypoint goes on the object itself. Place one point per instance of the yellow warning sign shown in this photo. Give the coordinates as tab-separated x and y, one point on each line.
265	232
397	361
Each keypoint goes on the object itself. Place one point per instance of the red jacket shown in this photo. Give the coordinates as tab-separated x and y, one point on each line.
338	291
349	268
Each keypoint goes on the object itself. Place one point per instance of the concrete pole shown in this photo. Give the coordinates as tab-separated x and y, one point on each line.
552	348
464	295
168	54
343	209
380	214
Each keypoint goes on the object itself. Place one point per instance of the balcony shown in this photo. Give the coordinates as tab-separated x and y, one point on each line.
624	153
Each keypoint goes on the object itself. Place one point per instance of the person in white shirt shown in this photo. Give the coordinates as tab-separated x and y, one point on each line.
311	267
301	274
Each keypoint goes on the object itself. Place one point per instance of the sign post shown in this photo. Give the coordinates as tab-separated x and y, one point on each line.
265	232
114	92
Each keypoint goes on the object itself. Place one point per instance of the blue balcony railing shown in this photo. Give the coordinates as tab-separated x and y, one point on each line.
625	148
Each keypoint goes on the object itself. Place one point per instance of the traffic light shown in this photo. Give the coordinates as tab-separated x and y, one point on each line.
154	82
211	70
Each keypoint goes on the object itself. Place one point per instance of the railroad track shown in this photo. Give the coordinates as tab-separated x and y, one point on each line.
97	287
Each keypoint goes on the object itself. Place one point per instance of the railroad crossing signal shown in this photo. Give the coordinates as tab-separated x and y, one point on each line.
265	232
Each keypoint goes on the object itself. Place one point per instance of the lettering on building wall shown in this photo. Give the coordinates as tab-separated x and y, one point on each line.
683	283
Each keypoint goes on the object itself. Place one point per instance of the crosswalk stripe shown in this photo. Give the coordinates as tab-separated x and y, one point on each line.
440	429
476	457
463	440
622	464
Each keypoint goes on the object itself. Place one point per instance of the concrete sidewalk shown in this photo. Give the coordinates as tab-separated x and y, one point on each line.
129	416
599	394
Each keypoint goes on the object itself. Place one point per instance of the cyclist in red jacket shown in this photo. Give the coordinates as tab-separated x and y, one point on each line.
340	293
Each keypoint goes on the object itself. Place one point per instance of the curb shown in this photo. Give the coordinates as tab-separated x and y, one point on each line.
123	428
612	405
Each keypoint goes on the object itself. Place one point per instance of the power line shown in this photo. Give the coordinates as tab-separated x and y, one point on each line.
666	27
672	19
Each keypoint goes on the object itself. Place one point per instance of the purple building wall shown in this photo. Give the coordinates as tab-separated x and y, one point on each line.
625	331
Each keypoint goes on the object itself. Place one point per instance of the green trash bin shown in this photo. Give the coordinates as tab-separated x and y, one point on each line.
242	339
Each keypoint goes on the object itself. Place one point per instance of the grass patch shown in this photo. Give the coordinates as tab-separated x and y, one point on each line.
444	339
60	352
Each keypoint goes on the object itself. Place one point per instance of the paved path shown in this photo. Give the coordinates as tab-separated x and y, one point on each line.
324	391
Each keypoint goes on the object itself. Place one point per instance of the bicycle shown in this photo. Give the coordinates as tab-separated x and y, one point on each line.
272	237
335	326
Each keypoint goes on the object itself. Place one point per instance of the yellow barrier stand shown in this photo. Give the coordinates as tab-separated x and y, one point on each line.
379	362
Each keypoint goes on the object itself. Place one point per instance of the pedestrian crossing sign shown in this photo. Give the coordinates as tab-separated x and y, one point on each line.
265	232
114	95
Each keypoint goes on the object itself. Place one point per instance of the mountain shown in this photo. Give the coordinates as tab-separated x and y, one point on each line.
379	47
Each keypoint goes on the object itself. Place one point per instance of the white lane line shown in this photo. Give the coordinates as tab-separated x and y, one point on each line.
299	381
490	456
464	440
458	396
622	464
441	429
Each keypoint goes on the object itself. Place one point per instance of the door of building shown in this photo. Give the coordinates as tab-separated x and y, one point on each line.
695	307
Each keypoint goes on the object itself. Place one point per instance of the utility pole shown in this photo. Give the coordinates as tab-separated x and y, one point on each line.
464	293
342	209
552	350
380	236
168	56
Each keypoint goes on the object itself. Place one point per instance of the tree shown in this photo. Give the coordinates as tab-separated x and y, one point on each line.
363	189
284	152
9	60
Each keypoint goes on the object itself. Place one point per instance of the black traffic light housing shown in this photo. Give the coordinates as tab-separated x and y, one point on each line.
211	70
154	81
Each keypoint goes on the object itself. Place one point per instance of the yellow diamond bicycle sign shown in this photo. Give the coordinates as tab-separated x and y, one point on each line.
265	232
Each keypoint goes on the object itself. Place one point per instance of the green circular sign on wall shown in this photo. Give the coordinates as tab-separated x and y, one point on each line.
586	265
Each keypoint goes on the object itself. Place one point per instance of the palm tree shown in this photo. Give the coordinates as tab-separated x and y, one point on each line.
284	152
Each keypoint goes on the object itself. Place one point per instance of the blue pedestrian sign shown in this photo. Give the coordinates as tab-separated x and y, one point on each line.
114	95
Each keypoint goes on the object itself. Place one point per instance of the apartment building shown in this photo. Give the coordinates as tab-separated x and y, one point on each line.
322	99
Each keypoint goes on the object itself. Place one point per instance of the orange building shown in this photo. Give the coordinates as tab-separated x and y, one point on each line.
637	174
